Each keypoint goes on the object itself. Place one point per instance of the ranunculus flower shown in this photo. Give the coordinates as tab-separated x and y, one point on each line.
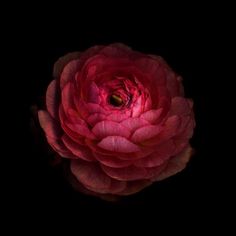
120	117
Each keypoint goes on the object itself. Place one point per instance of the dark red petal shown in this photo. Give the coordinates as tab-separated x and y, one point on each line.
110	128
179	106
176	164
94	118
134	187
78	150
52	99
49	125
118	144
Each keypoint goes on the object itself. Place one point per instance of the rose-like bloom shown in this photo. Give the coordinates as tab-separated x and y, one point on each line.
120	117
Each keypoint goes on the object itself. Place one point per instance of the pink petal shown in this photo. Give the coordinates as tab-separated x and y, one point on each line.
110	128
179	106
152	116
136	110
60	148
69	72
117	117
176	164
134	123
81	130
112	161
62	61
49	125
162	153
78	150
145	133
169	130
52	99
118	144
95	118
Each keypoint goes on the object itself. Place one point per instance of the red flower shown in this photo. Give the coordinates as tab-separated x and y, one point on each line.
120	117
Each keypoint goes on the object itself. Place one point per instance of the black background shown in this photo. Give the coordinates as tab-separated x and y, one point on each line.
191	45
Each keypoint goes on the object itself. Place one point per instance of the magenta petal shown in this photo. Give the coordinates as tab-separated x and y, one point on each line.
117	117
112	161
110	128
134	123
152	116
162	153
145	133
118	144
176	164
49	125
52	99
179	106
78	150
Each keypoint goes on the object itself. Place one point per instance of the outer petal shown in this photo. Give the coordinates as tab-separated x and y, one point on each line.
179	106
52	99
176	164
93	178
49	125
78	150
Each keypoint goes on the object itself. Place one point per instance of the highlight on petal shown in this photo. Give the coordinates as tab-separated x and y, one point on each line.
110	128
176	164
118	144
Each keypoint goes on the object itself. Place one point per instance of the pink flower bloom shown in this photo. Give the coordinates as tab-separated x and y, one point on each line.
120	117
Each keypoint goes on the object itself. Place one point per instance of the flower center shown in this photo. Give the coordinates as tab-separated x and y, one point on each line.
115	100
